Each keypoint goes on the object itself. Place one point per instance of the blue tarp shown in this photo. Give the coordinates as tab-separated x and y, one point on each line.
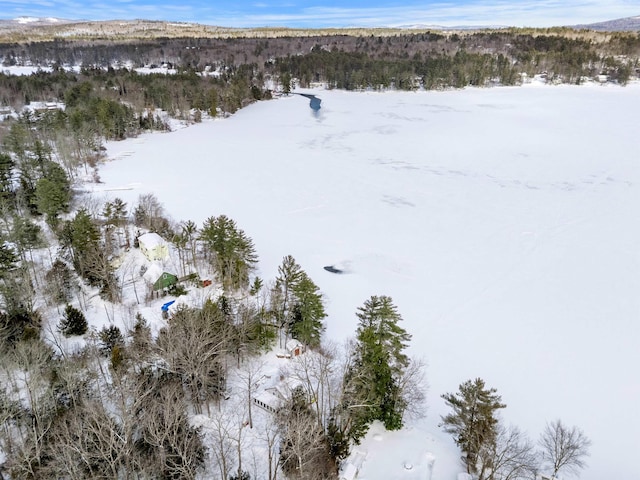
165	307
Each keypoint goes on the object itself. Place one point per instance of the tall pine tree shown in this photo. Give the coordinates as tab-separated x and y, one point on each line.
472	423
372	390
308	311
231	251
299	308
289	276
53	192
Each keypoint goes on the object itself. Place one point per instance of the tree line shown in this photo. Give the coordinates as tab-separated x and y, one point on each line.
357	70
403	60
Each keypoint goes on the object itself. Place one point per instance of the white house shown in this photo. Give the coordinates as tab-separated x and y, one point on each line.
274	396
153	246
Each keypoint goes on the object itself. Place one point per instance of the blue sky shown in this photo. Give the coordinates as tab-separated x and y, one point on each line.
328	13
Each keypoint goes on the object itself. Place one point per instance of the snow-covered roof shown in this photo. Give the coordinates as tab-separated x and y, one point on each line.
151	240
292	344
153	273
269	399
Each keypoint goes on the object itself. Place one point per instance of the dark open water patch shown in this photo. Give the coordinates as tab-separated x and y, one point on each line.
314	102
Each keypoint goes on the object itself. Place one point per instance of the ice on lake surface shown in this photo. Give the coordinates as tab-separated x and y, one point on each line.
503	222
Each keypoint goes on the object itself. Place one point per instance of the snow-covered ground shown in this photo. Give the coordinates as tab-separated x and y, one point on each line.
26	70
21	70
503	222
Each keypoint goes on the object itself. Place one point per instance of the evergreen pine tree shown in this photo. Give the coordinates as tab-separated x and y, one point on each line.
231	251
82	238
110	337
256	286
26	235
472	422
53	193
285	79
8	260
372	389
141	335
7	187
189	232
73	322
289	276
59	282
308	311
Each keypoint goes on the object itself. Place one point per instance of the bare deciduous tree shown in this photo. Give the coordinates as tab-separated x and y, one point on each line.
270	436
25	368
321	377
150	214
250	375
239	419
564	448
511	457
87	442
194	347
219	433
304	447
177	446
412	388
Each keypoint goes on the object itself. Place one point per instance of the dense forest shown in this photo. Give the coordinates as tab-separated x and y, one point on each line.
120	401
403	61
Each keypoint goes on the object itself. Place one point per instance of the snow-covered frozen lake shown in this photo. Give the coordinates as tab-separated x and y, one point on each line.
505	224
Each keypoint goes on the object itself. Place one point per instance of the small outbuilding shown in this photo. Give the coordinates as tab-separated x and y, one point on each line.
153	246
294	348
165	281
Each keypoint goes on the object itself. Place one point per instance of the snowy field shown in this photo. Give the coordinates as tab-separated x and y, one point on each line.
505	224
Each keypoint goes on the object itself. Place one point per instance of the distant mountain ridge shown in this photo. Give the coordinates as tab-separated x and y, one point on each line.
25	29
628	24
419	26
